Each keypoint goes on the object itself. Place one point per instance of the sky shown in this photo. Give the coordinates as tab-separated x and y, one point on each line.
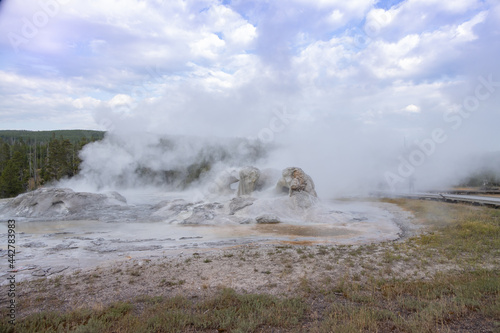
410	81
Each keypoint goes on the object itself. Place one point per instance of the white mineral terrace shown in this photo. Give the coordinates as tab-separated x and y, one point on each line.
58	229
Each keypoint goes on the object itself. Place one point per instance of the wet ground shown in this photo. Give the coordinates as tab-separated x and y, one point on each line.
46	246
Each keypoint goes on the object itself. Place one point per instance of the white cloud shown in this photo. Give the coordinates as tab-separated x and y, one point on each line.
86	103
420	54
324	61
336	17
377	19
205	68
456	6
465	30
393	60
208	46
417	16
244	35
121	100
13	83
180	65
412	108
355	6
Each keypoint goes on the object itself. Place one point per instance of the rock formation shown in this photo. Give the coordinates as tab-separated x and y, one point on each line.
58	202
253	179
299	185
239	203
224	180
202	213
295	180
268	219
248	180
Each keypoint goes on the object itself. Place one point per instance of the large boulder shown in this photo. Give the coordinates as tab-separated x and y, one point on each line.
249	177
267	219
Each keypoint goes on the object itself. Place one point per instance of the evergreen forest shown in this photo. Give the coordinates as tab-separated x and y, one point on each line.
30	159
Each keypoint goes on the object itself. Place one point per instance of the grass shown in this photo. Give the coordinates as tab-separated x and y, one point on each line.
447	302
227	311
462	292
458	232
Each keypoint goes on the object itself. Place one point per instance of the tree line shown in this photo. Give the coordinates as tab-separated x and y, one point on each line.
29	160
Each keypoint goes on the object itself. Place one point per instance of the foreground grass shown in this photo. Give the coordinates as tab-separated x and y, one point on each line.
226	311
467	302
467	234
464	297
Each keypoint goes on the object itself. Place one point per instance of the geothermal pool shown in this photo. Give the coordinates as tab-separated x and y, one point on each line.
61	230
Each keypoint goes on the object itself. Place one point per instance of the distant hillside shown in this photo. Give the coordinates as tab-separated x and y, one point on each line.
45	136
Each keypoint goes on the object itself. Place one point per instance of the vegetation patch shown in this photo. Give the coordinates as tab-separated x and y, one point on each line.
227	311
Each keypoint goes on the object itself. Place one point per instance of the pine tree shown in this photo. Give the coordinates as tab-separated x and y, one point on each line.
13	177
59	159
26	161
4	154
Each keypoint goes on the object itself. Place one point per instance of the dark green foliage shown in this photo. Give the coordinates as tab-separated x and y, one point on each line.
30	159
73	136
4	154
60	159
13	177
195	171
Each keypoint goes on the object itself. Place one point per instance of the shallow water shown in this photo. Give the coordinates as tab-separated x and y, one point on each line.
82	243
